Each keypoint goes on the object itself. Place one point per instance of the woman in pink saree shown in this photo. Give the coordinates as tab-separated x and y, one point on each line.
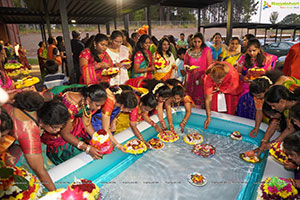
198	58
252	65
93	60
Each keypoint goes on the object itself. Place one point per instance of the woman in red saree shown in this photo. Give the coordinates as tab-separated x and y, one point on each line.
221	81
292	62
199	56
94	59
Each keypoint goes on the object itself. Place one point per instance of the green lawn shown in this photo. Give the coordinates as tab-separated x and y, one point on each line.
33	61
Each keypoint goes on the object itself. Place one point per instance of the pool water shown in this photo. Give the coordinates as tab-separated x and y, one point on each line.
165	171
162	174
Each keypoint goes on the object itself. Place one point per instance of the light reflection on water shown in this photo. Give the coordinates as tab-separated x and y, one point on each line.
162	174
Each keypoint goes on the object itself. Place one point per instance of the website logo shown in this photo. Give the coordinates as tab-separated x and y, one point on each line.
266	5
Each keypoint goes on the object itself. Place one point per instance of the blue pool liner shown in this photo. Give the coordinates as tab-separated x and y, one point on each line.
105	170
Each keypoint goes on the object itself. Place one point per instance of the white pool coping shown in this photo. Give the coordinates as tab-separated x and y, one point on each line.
71	165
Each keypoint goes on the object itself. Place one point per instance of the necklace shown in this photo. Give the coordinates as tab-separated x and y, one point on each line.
87	115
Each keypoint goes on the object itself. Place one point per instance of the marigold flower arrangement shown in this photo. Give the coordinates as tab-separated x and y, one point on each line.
18	184
168	136
276	151
101	141
135	146
278	188
160	62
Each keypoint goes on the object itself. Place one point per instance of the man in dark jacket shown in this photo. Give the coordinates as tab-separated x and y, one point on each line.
77	47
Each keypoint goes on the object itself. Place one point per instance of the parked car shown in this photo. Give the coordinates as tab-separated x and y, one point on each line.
280	63
278	48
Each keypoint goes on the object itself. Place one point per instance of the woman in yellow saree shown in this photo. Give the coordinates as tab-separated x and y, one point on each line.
164	61
233	53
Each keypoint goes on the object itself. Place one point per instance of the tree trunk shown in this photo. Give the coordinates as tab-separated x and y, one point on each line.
161	13
168	15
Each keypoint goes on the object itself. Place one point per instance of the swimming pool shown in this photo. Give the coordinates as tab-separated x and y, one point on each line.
236	178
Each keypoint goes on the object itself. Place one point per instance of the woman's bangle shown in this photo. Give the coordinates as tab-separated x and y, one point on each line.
162	122
87	150
152	123
263	140
184	121
118	145
79	145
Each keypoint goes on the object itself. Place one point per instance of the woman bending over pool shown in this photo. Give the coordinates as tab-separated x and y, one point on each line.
82	103
277	121
178	97
30	115
161	92
121	99
291	146
282	100
259	86
147	103
221	81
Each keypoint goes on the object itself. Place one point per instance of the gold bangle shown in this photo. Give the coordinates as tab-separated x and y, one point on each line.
79	145
87	150
263	140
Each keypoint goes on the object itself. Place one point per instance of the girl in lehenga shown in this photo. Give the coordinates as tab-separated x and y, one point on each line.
233	53
122	100
199	55
258	88
161	92
164	61
178	97
142	61
94	60
251	65
145	104
81	103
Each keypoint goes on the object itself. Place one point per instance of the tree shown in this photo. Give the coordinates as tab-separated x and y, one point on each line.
273	17
242	10
291	19
249	8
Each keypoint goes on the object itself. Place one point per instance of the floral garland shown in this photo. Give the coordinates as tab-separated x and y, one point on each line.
18	184
278	188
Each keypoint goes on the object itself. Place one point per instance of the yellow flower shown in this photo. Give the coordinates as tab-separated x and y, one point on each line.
32	195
